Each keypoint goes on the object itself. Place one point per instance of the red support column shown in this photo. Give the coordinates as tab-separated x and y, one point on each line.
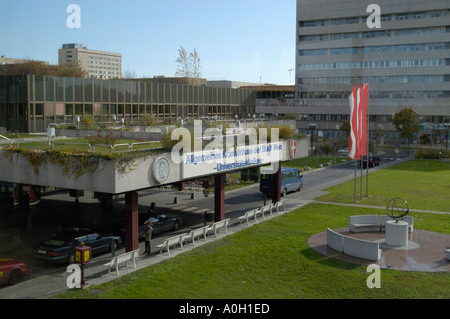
276	196
131	221
219	197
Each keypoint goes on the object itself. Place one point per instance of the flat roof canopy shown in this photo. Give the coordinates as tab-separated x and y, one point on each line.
116	177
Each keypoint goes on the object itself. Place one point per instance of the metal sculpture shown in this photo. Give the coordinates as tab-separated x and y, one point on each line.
397	209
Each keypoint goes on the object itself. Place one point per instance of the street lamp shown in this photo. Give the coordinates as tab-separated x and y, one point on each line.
312	127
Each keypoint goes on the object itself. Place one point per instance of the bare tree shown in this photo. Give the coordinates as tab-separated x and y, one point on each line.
189	65
129	74
194	59
183	68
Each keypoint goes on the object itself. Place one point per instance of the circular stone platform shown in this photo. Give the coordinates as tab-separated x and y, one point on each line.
425	250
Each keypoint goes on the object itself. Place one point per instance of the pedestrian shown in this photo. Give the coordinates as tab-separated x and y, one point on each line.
147	237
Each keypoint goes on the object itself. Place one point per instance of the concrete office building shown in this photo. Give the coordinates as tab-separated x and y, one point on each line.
230	84
29	103
98	64
406	62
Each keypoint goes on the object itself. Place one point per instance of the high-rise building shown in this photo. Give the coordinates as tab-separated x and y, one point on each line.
406	63
98	64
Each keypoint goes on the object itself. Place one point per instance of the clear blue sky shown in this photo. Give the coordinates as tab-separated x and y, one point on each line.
240	40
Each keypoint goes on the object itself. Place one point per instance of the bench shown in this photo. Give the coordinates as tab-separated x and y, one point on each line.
172	241
362	248
217	226
335	240
202	231
363	223
264	209
126	257
408	219
247	216
447	254
194	189
277	205
353	246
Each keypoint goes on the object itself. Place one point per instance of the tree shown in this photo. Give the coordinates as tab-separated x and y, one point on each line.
195	64
405	122
189	65
183	63
345	128
70	69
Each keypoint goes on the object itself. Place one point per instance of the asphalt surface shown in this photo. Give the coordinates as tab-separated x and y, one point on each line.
43	281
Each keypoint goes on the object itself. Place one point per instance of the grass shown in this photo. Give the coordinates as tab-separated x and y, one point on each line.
311	161
424	184
272	260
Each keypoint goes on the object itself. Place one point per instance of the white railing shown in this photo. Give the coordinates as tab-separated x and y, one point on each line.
110	146
10	141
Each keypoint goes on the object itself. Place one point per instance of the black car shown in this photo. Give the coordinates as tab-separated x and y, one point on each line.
59	248
376	160
363	160
160	223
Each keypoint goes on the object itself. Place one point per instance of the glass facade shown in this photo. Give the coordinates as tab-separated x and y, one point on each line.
30	103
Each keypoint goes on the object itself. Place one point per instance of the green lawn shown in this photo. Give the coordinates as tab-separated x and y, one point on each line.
273	260
424	184
313	161
81	144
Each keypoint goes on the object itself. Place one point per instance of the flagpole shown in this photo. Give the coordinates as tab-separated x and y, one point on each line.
354	193
361	164
368	138
361	137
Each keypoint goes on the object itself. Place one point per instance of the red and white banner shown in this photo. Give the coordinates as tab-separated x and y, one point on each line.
353	120
357	142
365	127
293	148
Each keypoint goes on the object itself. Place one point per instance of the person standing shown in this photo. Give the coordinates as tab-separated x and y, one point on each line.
147	237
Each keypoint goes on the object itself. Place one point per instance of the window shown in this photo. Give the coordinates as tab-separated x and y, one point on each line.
39	88
49	89
69	109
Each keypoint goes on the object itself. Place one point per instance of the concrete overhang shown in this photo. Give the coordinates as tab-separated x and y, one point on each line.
116	177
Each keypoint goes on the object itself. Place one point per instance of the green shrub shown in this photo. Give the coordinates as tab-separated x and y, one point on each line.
432	154
148	120
87	120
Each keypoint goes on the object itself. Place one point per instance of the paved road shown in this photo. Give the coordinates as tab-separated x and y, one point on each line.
44	280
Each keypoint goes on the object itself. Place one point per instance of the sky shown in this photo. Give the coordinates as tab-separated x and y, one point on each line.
237	40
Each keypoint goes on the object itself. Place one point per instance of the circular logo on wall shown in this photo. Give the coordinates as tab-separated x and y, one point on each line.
161	169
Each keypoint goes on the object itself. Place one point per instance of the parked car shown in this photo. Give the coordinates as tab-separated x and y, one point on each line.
364	161
59	248
343	152
376	160
12	271
160	224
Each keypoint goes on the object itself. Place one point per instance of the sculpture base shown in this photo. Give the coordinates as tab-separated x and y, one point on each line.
396	233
